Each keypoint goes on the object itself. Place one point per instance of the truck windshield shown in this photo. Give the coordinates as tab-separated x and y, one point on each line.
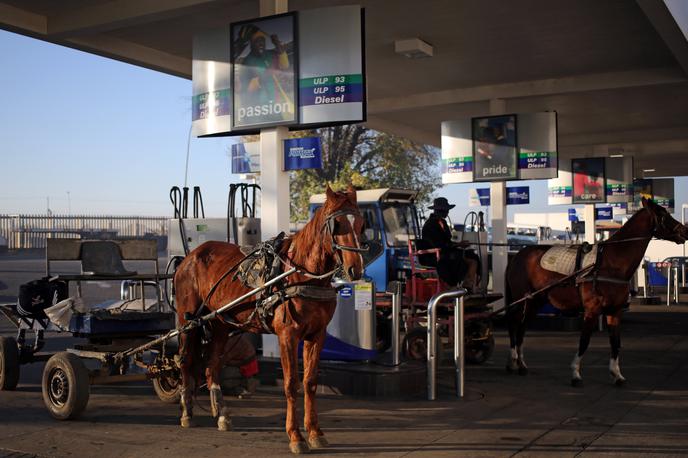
400	223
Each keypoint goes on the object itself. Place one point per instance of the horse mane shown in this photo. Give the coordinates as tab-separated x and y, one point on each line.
311	234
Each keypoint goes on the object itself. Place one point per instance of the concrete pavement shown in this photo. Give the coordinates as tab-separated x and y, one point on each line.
503	415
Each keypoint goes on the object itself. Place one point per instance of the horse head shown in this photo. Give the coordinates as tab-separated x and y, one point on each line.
344	224
665	226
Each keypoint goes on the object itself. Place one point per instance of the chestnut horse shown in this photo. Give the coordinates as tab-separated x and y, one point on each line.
327	244
604	289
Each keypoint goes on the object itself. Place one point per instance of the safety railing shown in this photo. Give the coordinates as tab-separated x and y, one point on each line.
32	231
458	296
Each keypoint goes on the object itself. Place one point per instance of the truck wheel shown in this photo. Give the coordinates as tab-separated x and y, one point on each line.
168	388
66	386
9	364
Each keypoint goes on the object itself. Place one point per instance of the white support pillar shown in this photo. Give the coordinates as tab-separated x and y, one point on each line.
498	219
589	217
274	182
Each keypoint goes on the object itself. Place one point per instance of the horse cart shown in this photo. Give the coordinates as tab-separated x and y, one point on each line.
130	339
105	331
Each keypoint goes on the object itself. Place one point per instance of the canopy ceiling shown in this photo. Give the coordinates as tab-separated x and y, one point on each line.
616	71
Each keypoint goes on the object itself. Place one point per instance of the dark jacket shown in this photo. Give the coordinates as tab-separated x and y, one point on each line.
451	267
436	232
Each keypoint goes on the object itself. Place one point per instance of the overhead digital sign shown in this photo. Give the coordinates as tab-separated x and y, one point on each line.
264	71
494	148
588	180
304	69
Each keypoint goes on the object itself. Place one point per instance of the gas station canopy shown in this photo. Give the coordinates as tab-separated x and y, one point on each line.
615	71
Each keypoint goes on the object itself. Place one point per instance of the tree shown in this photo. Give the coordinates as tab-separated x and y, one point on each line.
367	159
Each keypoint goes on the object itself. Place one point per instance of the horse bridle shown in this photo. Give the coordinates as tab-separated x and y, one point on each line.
660	230
331	225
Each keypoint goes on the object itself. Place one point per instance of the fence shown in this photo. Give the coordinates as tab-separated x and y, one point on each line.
31	231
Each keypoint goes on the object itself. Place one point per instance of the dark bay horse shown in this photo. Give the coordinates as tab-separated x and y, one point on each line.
620	257
329	242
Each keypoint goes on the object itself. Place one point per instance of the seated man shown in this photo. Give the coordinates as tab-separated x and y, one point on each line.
455	263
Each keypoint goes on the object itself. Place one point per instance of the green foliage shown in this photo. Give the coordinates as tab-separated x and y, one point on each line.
367	159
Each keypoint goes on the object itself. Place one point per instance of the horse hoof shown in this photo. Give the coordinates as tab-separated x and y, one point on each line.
298	448
317	442
522	371
187	422
576	382
620	382
224	424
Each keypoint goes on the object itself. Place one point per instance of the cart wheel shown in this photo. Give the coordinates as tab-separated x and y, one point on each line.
168	389
415	345
479	352
9	364
66	386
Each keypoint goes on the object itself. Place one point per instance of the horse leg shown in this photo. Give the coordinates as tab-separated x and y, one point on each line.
613	325
589	323
288	347
517	329
514	318
188	347
311	359
213	378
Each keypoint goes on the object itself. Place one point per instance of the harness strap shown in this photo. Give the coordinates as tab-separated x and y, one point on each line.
603	279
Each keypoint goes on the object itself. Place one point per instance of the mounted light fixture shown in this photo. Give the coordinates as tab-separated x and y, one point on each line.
649	170
616	155
413	48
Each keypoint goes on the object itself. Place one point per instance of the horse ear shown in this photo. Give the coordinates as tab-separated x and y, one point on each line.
330	193
351	194
645	202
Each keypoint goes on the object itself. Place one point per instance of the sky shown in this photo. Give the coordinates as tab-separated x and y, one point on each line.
84	134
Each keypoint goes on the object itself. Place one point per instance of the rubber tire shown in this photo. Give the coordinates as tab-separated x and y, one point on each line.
9	364
165	394
78	386
416	340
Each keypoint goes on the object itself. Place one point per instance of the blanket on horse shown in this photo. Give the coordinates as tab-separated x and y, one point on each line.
562	259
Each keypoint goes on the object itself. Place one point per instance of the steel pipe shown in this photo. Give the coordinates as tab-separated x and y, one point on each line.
459	354
668	274
432	337
396	324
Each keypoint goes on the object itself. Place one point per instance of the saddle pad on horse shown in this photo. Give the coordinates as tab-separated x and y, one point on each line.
562	259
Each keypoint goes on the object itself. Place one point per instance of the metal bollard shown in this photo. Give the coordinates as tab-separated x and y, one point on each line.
396	317
668	292
675	269
459	354
432	338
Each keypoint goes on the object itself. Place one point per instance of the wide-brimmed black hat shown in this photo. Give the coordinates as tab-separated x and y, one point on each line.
441	203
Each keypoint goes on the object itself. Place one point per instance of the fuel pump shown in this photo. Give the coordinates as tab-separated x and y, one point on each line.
243	229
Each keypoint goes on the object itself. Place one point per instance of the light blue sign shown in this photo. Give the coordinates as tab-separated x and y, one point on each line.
302	153
604	213
517	195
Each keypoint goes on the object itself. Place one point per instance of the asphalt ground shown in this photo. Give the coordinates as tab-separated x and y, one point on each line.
502	415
